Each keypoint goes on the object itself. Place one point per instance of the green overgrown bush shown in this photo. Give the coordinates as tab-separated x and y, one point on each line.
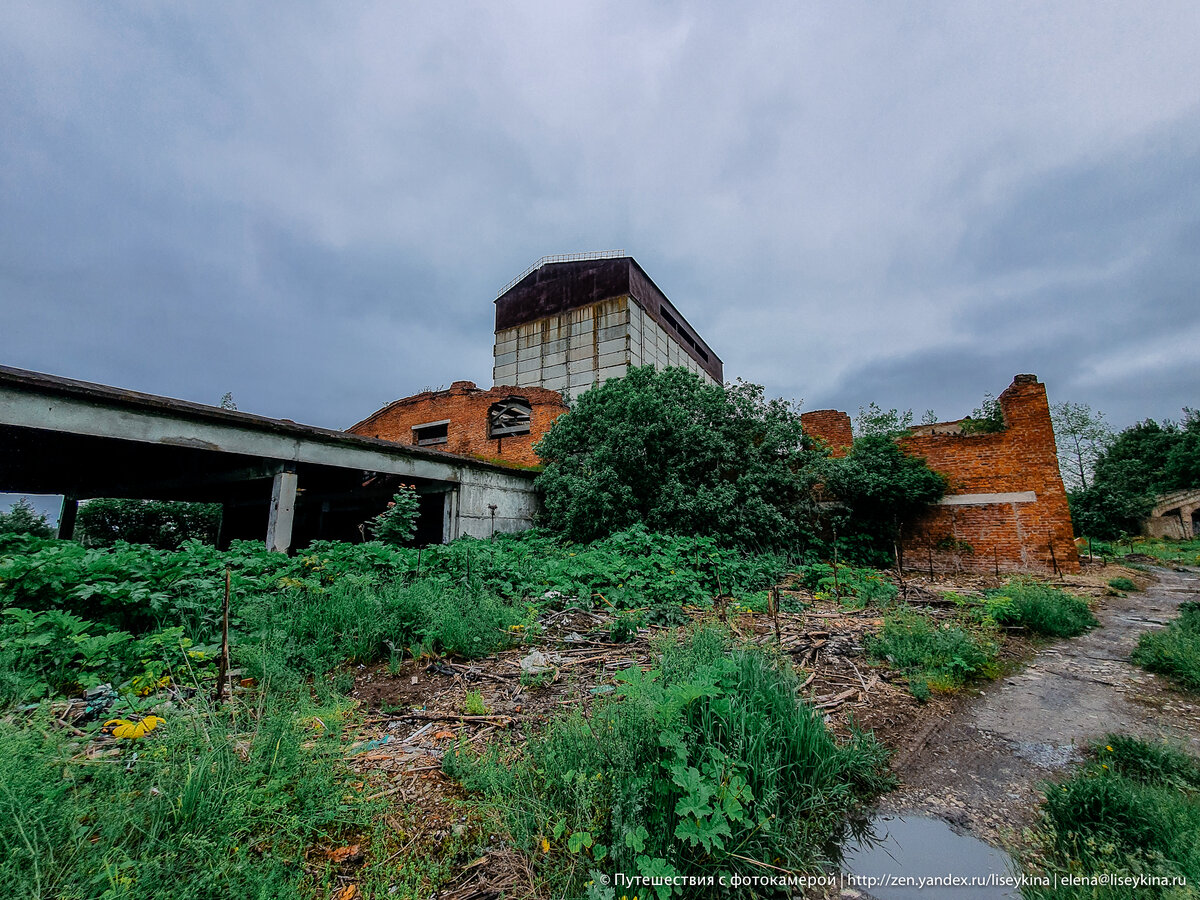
1133	809
934	655
1174	651
853	585
1122	584
1041	608
705	764
398	523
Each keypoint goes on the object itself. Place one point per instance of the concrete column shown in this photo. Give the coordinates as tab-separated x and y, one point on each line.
283	509
450	532
66	518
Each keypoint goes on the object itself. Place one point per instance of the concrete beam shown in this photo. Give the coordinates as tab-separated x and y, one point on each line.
988	499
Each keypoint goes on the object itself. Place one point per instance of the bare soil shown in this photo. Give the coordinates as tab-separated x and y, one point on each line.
974	758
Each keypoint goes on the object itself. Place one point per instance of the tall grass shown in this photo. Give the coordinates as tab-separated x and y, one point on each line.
933	655
197	813
707	763
1041	608
1133	809
1175	650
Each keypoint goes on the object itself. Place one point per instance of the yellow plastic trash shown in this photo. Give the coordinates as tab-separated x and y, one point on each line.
123	728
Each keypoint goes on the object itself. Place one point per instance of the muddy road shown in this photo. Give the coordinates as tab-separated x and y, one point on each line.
980	768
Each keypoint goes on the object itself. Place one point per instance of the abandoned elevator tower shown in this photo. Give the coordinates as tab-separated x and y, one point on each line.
569	322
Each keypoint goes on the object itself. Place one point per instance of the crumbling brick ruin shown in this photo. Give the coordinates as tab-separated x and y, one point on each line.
499	425
832	426
1006	508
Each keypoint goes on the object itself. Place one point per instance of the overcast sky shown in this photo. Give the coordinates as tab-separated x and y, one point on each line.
313	206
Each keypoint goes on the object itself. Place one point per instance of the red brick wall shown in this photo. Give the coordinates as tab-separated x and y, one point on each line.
466	406
1014	536
831	426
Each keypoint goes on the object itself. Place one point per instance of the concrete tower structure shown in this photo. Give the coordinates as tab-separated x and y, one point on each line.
569	322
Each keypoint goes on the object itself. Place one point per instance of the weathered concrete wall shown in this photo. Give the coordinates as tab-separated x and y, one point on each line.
513	498
572	350
1006	506
651	345
466	407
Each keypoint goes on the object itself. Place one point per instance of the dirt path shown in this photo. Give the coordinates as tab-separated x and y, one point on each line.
980	768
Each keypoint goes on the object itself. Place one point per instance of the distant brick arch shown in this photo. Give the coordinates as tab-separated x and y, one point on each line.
1175	515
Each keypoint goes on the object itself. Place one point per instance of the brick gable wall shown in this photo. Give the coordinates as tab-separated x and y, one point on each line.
466	407
1012	512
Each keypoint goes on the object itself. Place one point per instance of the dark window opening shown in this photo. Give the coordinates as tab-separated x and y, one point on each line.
509	416
433	433
687	338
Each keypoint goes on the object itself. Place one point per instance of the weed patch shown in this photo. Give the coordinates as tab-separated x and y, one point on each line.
1041	608
196	814
705	764
1133	809
1174	651
934	656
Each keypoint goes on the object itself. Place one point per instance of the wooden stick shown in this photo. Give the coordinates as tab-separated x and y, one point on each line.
223	663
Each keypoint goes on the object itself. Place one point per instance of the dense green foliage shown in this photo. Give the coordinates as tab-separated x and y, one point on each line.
1041	608
987	418
1132	810
21	518
705	764
665	450
398	523
882	488
934	655
1174	651
163	524
1140	463
668	451
75	616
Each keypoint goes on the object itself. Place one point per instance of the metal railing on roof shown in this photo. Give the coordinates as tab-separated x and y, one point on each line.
561	257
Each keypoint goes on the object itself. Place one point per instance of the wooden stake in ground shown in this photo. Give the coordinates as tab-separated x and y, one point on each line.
900	570
773	604
837	591
1053	559
223	662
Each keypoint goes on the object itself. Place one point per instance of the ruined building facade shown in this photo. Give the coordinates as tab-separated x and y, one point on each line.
1006	507
500	425
569	323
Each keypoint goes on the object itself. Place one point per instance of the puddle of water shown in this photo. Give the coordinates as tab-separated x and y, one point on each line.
911	847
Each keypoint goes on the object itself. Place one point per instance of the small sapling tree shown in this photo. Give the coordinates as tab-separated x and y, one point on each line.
398	523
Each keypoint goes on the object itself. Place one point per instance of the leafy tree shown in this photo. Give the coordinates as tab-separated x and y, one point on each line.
665	449
227	401
398	523
21	518
1082	436
1181	470
1140	463
873	419
987	418
882	487
163	524
1108	512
